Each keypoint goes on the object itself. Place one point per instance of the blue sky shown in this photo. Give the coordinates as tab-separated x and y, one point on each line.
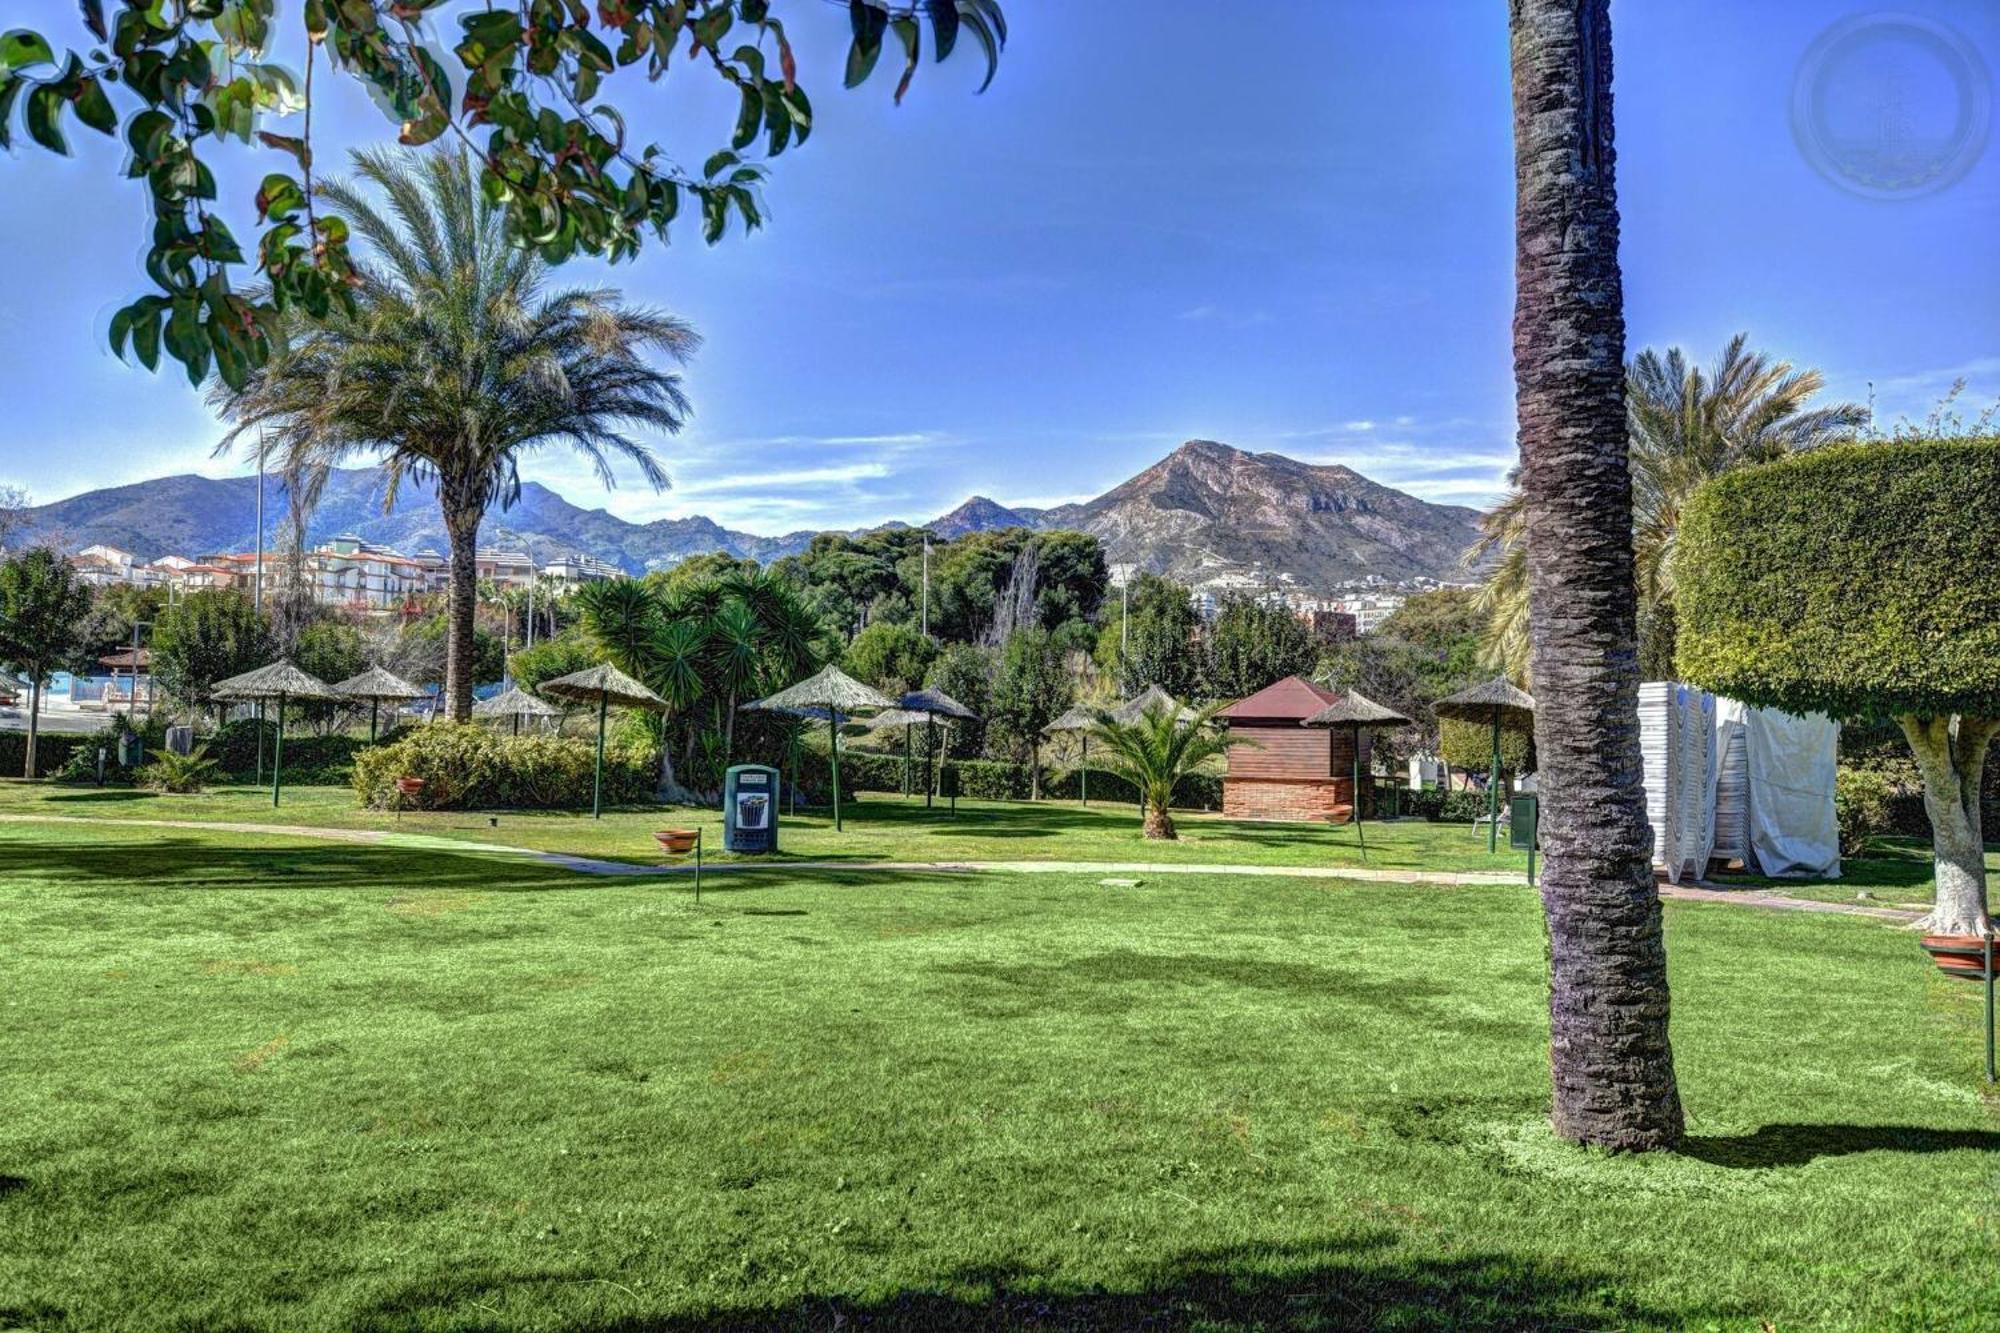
1166	219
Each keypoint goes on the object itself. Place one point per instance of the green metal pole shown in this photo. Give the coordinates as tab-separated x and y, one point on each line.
597	778
833	744
906	760
374	715
1084	777
1493	792
931	778
1362	837
278	756
258	716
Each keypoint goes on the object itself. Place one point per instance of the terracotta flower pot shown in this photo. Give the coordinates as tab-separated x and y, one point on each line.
1960	955
409	786
678	841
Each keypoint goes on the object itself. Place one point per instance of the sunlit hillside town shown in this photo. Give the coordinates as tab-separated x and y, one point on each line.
344	572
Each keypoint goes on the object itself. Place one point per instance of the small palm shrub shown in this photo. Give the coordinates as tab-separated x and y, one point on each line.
1156	751
178	774
465	766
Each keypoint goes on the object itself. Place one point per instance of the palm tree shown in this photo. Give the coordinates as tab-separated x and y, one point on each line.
1683	427
455	361
1610	1060
1156	750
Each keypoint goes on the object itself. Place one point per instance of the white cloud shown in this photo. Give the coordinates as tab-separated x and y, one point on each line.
844	475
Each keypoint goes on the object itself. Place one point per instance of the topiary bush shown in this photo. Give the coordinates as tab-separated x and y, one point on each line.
1862	582
469	767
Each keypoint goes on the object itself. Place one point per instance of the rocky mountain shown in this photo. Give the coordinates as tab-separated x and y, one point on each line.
1208	510
1205	511
980	514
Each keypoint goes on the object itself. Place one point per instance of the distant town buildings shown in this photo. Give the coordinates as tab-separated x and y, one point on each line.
343	571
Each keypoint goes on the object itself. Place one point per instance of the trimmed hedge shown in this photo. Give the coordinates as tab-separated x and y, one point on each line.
470	767
992	780
53	752
310	761
1858	581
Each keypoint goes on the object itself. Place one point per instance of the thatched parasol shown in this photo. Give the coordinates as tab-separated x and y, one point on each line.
1079	720
1151	699
937	707
1355	710
378	686
1502	703
837	692
515	703
280	681
602	685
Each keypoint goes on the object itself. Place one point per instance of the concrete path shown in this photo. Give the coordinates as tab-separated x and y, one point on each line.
587	865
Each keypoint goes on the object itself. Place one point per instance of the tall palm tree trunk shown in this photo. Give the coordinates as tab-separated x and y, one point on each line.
1611	1063
461	521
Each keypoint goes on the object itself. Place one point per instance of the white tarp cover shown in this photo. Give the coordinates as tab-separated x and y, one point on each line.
1790	762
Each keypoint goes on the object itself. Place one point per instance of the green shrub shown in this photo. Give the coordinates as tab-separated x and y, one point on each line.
991	780
468	767
1864	800
1468	746
178	774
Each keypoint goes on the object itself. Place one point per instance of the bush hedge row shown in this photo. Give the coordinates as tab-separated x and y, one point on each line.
994	780
469	767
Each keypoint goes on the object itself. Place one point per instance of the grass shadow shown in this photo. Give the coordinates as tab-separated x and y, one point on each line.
1796	1145
172	863
1350	1285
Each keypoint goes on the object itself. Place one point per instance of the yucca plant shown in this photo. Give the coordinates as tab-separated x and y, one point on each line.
178	774
1158	749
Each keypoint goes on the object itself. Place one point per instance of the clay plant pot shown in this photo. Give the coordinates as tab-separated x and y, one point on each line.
1960	955
677	841
410	786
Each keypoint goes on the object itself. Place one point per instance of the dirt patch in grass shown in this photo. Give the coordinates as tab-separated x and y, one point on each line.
251	1061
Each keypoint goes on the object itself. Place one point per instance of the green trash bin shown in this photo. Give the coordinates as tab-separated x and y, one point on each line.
750	809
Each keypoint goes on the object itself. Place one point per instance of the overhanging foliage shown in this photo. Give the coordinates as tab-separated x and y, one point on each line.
1859	581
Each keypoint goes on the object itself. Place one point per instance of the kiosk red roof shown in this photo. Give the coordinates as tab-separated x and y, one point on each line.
1289	701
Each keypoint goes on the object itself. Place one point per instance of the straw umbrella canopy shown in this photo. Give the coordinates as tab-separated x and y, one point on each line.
1355	710
280	681
936	706
1502	703
378	686
1149	700
1079	720
602	685
837	692
515	703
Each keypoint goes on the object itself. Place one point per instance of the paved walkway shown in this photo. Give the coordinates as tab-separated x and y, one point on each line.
629	869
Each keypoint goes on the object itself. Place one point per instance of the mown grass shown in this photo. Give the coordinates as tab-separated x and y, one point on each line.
877	828
260	1082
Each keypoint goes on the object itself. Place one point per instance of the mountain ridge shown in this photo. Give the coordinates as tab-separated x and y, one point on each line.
1205	511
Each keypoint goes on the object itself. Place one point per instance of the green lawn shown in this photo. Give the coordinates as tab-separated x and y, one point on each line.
260	1082
878	827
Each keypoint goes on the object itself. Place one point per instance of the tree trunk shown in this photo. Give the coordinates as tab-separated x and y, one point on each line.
1951	755
1611	1064
34	721
461	521
1159	826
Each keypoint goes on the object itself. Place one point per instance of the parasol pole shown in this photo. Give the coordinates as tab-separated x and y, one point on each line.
1084	776
833	750
278	755
906	760
374	712
597	779
1493	790
1359	835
